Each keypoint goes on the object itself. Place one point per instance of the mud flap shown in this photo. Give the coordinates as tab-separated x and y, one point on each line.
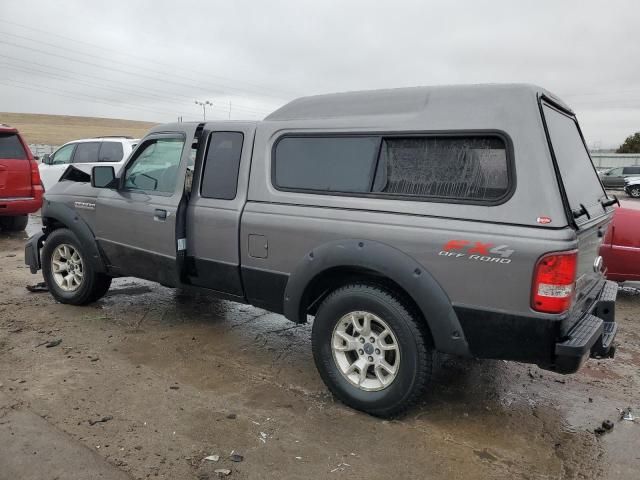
32	252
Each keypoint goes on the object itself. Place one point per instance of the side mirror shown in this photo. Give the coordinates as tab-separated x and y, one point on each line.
103	176
46	159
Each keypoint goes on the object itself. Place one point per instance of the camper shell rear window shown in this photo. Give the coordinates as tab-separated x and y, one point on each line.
579	178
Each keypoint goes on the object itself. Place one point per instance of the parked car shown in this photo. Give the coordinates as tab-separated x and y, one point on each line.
614	178
85	154
632	186
405	222
620	249
20	186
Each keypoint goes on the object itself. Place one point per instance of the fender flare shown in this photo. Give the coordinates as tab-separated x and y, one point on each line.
67	216
389	262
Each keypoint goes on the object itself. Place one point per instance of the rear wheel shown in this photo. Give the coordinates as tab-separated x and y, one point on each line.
70	278
634	191
371	350
14	224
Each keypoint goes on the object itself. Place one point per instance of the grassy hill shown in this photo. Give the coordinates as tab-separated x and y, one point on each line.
59	129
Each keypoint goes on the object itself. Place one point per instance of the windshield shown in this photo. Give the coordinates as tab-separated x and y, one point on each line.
579	178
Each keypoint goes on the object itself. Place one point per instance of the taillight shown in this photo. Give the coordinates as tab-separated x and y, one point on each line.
36	184
554	281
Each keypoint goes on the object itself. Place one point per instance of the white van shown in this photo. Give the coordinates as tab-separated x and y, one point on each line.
85	154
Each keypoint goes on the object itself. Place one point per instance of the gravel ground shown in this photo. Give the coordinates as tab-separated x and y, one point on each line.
178	378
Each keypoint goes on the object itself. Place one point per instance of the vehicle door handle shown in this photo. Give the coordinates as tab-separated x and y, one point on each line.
160	214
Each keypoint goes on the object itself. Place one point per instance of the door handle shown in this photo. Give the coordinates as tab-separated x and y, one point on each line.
160	214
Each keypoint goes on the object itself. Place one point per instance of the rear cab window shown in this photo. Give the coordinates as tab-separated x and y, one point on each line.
11	147
579	178
453	168
220	176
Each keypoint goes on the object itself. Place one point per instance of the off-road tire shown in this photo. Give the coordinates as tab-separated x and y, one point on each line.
413	338
14	224
94	284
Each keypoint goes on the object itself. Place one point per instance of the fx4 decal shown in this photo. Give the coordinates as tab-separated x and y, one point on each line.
477	251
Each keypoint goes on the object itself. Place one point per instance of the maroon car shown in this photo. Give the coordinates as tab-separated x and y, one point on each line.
20	187
620	249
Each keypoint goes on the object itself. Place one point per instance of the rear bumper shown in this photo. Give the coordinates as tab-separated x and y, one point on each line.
19	206
558	344
591	336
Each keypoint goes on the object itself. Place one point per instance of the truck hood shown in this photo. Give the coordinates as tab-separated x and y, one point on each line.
70	189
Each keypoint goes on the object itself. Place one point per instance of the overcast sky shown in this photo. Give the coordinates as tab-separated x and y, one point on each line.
149	60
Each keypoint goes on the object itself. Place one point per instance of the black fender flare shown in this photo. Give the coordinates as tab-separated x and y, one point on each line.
389	262
67	216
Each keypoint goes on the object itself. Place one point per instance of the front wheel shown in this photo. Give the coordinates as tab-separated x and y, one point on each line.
372	351
634	191
69	276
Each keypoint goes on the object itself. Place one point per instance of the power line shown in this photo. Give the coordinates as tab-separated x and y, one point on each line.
65	93
220	88
145	96
163	95
96	64
282	93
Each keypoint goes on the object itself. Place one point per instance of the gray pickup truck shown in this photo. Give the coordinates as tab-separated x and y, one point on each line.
405	222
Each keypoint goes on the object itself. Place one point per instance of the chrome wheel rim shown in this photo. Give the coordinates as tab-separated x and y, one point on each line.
366	351
67	267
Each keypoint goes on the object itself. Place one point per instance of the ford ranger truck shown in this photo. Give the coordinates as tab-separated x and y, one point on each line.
457	219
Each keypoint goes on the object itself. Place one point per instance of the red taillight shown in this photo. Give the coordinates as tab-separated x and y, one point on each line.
36	184
553	282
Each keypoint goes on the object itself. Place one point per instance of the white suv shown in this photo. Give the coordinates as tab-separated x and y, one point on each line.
85	154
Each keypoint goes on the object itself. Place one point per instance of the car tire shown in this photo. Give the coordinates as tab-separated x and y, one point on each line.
14	224
341	320
70	277
634	191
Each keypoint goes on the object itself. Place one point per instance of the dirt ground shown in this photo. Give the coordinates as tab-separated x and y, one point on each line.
59	129
186	377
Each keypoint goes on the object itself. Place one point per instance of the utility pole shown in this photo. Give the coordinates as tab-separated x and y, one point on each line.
204	106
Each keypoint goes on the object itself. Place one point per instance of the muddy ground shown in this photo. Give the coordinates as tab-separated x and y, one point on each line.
186	377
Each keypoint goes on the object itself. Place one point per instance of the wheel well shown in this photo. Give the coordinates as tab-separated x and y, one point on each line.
52	224
333	278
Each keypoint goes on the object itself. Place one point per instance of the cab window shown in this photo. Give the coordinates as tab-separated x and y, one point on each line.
155	168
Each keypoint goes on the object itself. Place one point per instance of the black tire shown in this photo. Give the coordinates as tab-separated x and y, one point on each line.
413	339
634	191
93	285
14	224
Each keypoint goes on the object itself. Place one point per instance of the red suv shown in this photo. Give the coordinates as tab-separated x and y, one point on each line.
20	186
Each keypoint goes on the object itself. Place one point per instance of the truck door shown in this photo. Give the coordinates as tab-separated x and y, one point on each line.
217	198
136	223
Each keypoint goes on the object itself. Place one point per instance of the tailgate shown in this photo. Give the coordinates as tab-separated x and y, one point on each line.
15	170
590	271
